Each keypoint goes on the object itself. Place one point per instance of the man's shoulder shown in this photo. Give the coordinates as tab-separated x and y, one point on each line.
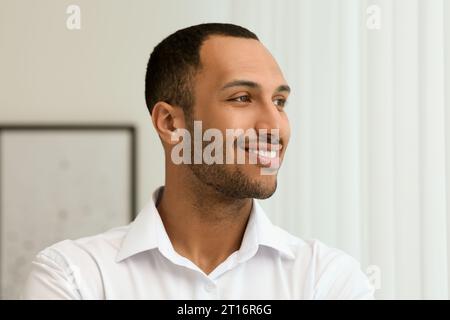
336	274
314	249
105	244
72	269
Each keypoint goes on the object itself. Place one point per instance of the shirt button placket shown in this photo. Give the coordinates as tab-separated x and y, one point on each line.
210	288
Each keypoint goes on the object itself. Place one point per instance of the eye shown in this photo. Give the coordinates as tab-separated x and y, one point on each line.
244	98
280	102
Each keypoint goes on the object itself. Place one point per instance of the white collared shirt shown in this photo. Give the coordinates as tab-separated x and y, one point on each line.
138	261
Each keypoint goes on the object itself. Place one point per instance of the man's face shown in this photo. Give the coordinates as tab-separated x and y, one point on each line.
240	86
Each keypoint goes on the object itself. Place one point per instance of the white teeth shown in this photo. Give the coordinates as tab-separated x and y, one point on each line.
267	154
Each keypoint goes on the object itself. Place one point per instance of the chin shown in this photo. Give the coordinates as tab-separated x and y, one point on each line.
264	186
265	192
239	182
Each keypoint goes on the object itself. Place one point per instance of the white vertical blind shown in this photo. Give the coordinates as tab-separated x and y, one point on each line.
432	149
446	68
367	167
406	153
378	128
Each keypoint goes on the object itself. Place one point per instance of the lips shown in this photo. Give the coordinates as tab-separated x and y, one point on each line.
267	155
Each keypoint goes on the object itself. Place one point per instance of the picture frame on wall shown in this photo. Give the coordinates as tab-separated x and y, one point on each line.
60	182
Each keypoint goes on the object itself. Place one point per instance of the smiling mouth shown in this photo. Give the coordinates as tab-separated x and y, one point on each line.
266	155
262	153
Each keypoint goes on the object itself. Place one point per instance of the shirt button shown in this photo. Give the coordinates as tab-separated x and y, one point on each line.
210	287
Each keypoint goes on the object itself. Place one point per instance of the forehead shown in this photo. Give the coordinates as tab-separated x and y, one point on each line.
228	58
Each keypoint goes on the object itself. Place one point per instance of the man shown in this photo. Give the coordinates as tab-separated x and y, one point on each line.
203	236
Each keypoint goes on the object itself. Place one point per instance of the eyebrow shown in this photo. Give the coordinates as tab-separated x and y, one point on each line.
254	85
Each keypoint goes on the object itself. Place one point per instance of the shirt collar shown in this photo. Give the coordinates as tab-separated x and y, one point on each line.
147	232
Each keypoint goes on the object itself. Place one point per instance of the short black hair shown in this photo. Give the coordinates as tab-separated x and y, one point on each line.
174	61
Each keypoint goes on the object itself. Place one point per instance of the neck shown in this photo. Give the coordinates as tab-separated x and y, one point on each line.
203	225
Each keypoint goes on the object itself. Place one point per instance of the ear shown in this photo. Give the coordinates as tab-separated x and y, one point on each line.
166	119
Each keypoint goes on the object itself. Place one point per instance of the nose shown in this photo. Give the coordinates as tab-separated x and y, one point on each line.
268	117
